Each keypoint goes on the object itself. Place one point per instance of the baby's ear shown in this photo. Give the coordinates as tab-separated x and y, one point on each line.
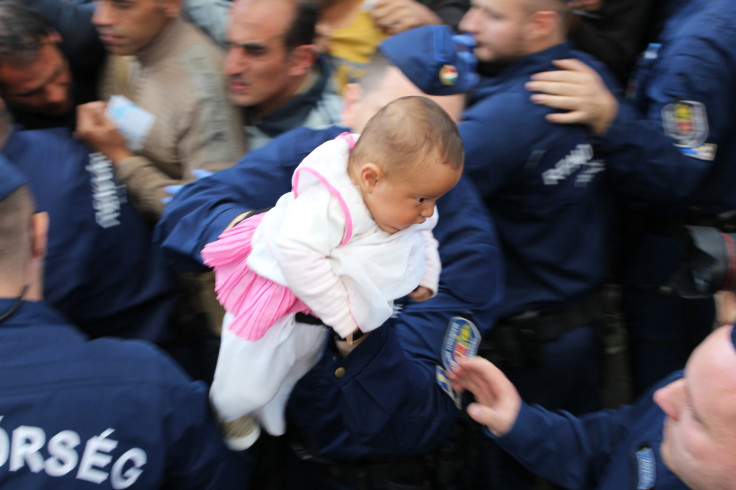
370	174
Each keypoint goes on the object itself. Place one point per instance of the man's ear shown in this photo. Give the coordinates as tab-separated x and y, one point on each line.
39	229
39	234
171	8
352	95
369	175
543	23
53	37
301	59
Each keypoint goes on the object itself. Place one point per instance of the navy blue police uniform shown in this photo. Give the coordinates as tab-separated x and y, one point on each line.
542	185
101	270
544	188
607	450
354	420
106	413
674	161
383	400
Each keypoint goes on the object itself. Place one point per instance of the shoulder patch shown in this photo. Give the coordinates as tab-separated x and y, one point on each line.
462	339
686	122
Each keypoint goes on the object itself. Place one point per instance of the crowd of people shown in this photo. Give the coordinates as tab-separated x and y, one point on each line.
362	244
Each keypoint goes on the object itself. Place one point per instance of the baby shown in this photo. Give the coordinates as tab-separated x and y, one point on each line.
352	236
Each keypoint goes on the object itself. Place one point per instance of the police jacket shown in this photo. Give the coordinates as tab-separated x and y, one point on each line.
107	413
101	269
610	449
382	399
542	185
674	150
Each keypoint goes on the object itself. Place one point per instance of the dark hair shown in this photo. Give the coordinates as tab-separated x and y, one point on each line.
22	32
406	132
303	27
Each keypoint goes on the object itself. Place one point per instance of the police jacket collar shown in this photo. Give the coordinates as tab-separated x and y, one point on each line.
31	313
525	66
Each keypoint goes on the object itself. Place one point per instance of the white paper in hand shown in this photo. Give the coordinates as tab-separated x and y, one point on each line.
133	122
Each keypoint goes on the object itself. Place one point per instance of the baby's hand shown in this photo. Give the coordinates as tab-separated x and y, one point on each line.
421	293
349	338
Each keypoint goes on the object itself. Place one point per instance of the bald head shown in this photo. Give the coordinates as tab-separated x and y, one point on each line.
535	5
699	443
508	30
15	238
558	6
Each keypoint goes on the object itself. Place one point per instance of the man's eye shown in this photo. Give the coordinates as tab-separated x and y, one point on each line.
420	199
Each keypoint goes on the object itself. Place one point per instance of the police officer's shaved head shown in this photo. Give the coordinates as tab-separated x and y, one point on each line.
699	433
16	208
560	7
535	5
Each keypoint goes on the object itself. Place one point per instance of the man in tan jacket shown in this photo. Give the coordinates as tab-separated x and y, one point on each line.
173	72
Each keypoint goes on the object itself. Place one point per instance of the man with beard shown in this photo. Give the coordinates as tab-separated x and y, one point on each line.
542	184
38	83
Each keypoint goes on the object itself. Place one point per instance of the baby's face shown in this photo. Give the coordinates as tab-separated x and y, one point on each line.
407	197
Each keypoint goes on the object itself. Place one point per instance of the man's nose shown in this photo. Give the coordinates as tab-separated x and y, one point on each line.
101	16
234	61
671	398
56	93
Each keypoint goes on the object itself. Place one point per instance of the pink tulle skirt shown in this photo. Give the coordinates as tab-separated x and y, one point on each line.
254	301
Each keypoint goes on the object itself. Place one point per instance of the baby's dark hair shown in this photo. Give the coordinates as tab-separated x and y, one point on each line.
407	132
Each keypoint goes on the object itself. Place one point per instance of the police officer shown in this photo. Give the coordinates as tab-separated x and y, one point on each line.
101	414
675	162
101	269
682	434
364	411
543	187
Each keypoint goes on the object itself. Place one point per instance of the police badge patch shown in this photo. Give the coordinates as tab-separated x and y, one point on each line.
686	122
462	339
